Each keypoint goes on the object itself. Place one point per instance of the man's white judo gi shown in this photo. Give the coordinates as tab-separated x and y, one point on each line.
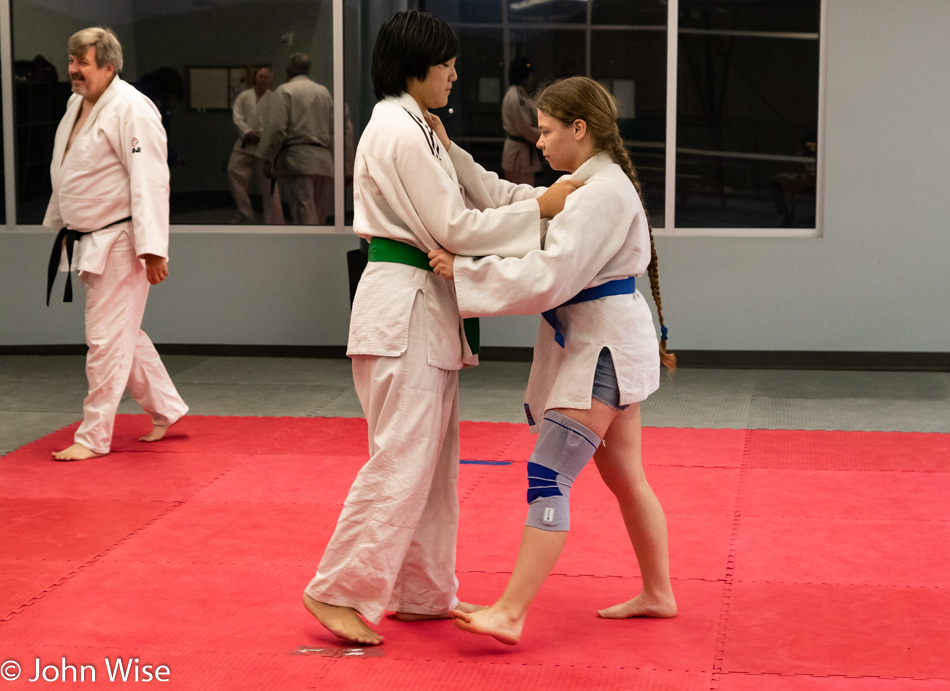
298	139
600	236
520	158
249	113
116	168
394	544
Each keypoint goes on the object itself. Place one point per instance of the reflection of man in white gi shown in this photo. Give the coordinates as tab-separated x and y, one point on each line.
297	142
394	543
520	159
110	175
249	111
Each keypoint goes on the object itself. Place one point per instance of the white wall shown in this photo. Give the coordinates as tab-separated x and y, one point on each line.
876	281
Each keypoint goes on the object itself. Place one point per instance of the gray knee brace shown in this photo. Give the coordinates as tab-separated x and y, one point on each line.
564	447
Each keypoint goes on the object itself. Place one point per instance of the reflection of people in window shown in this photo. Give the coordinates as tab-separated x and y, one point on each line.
520	159
787	186
297	142
250	108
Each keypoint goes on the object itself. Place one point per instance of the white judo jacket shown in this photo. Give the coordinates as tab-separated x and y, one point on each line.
117	167
249	114
518	118
297	130
406	188
600	236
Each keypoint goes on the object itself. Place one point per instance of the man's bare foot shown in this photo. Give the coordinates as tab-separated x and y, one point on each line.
462	607
490	622
342	621
76	452
158	432
641	606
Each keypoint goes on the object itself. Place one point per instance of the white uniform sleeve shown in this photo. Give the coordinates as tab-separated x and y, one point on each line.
414	184
243	110
483	188
274	126
580	241
139	142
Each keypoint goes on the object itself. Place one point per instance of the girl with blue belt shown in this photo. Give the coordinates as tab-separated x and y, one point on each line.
596	354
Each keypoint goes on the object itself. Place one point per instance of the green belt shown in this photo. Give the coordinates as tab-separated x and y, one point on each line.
386	250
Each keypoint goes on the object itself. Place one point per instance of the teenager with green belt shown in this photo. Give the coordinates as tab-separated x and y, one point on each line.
394	543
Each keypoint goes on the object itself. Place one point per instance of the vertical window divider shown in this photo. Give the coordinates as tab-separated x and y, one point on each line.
506	44
339	123
822	106
672	62
6	76
587	40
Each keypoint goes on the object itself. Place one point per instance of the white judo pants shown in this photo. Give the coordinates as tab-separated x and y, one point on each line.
241	167
311	198
120	354
394	543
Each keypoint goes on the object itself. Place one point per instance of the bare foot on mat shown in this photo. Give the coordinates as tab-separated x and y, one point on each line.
462	607
490	622
158	432
641	606
76	452
342	621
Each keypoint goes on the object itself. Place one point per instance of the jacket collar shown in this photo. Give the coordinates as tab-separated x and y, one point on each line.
593	164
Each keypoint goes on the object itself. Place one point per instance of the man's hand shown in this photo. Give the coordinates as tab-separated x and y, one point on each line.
156	268
252	137
443	263
436	124
268	169
552	201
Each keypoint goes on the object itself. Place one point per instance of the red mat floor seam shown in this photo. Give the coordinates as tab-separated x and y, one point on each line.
883	677
729	578
96	558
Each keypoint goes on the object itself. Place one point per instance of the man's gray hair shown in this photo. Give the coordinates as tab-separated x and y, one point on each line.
298	63
108	48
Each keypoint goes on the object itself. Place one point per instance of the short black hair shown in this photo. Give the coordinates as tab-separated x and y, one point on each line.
519	70
407	45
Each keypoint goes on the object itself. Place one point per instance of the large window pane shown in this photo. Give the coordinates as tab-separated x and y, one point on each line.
632	65
472	12
747	124
192	59
621	12
743	15
553	11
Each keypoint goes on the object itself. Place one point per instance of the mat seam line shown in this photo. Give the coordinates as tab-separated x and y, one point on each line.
175	505
717	666
96	558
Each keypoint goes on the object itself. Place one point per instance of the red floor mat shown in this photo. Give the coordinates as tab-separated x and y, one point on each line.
853	552
24	580
848	494
794	628
800	561
62	528
821	450
777	682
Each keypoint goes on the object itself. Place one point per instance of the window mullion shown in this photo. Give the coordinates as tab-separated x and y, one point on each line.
672	57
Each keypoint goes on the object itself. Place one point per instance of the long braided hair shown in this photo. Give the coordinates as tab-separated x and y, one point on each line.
580	98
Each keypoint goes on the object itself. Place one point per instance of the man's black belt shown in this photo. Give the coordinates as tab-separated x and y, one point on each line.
273	180
70	236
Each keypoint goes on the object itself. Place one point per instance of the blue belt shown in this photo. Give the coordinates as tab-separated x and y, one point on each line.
622	286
